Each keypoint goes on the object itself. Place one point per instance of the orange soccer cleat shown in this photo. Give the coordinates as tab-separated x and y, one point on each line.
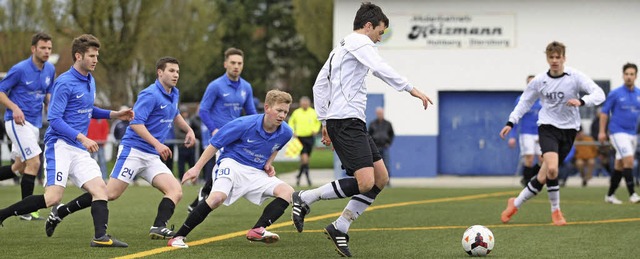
509	211
557	218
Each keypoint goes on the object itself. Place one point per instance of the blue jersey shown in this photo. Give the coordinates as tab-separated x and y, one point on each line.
224	100
245	140
156	109
71	107
623	107
26	86
529	122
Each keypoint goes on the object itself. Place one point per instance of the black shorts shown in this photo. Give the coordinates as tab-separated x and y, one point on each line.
552	139
352	144
307	144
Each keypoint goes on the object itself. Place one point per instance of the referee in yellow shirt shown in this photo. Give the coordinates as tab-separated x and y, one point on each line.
305	125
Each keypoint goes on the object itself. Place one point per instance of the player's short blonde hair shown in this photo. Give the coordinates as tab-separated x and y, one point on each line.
555	47
277	96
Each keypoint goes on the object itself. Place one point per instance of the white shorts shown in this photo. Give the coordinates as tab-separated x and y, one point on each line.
237	180
64	161
624	144
529	145
24	140
132	162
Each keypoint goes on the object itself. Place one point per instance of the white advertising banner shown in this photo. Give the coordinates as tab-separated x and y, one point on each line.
450	31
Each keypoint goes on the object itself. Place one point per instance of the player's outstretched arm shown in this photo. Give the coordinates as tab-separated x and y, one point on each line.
124	114
423	97
192	174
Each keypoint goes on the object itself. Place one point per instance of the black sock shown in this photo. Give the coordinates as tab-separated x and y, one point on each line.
80	202
27	205
527	173
306	172
616	176
100	214
165	211
272	212
206	189
300	172
349	187
194	219
6	173
537	186
628	178
26	184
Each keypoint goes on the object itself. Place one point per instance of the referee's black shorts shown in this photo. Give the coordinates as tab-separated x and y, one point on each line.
307	144
352	144
556	140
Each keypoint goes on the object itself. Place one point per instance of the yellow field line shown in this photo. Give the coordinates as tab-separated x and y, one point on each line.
316	218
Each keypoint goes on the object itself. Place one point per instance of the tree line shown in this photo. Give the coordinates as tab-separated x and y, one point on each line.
285	41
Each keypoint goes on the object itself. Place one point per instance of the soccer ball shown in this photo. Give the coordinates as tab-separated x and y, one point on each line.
478	240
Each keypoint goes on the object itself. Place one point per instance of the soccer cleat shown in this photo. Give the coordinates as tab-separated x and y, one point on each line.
612	199
26	217
177	242
509	211
299	211
107	241
52	221
189	209
557	218
161	232
340	240
262	235
634	198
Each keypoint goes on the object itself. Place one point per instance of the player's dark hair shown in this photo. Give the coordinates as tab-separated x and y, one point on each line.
555	47
162	62
40	36
82	43
372	13
629	65
232	51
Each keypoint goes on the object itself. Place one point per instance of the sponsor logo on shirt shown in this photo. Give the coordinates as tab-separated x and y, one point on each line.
28	82
163	106
78	96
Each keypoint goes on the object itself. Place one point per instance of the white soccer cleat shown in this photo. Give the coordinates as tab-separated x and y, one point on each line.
177	242
634	198
612	199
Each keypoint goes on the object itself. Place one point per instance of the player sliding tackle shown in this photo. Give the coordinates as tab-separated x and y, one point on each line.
244	169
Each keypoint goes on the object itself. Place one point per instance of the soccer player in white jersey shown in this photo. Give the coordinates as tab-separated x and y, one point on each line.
558	122
67	146
623	104
340	97
142	147
23	91
244	169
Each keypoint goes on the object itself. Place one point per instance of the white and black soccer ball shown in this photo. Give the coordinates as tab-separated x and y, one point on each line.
478	240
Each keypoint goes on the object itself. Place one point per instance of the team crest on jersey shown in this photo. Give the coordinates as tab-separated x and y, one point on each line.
243	93
47	81
275	147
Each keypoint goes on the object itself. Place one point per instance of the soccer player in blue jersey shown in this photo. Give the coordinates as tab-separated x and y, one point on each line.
67	147
622	110
142	148
23	91
223	101
245	169
558	90
529	147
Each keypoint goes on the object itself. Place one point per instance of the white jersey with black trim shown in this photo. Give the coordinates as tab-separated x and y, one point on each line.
340	91
554	92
